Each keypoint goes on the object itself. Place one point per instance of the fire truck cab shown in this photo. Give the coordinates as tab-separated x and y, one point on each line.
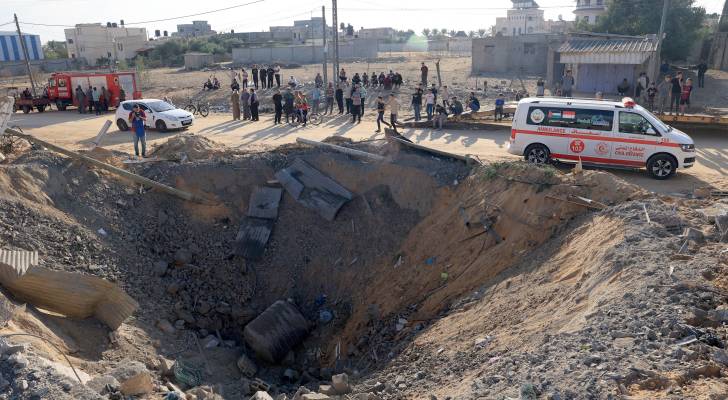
62	86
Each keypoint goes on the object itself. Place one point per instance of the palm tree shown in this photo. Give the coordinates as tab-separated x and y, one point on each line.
481	32
435	31
426	32
453	32
471	34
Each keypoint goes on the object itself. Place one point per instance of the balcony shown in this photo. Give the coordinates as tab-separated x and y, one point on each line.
582	5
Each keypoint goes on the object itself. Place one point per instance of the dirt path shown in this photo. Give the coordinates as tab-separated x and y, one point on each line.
77	132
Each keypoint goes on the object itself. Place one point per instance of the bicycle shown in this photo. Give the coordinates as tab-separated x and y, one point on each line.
198	108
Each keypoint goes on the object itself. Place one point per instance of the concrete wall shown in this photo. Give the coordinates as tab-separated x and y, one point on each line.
303	54
719	52
527	54
198	60
463	45
18	68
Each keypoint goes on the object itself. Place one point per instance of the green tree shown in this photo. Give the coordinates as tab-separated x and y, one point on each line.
426	32
640	17
54	50
723	25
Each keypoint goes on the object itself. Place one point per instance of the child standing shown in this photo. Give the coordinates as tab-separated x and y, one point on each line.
687	89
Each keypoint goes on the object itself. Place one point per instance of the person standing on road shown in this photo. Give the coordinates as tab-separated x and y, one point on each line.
445	97
254	105
651	94
675	92
254	72
500	102
622	88
540	87
440	117
278	107
277	72
342	75
702	69
663	93
393	105
81	99
96	95
90	99
270	72
664	68
315	99
288	101
340	98
245	101
244	77
567	84
329	99
643	82
423	71
363	94
235	104
137	117
381	105
347	97
355	105
122	96
263	72
687	89
430	104
417	103
318	80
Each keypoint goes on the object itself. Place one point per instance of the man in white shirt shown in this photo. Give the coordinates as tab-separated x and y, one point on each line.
393	105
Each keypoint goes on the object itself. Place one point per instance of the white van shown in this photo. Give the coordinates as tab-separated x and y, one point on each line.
599	132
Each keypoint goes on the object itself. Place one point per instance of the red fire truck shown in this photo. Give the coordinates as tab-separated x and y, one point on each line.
62	86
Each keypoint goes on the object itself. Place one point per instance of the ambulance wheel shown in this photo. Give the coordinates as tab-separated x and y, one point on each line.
121	124
26	109
537	154
161	126
662	166
40	108
61	106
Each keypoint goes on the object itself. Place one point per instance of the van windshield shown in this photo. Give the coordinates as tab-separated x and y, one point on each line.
160	106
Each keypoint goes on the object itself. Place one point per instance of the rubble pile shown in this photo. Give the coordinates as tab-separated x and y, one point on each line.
432	279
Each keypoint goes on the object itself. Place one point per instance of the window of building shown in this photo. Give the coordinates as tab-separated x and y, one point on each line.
70	41
596	19
596	120
529	48
120	46
600	2
586	19
519	31
635	124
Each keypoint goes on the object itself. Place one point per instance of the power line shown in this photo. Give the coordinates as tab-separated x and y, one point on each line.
197	14
7	23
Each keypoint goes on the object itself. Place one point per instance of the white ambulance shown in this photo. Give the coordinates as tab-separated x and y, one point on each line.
604	133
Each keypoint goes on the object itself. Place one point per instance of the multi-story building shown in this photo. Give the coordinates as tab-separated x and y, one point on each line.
589	11
91	42
12	50
527	18
195	29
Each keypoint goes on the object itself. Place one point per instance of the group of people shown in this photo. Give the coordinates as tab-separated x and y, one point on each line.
390	81
262	77
96	99
246	101
212	83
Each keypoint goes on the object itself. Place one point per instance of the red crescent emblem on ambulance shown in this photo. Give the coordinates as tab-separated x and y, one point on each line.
577	146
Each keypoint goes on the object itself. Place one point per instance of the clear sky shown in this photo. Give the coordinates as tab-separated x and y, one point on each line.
401	14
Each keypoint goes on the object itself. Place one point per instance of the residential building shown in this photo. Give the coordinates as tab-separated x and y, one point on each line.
377	33
11	49
590	11
523	18
90	42
195	29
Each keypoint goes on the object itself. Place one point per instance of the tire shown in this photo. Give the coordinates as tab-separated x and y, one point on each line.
662	166
40	108
204	110
537	154
314	119
161	126
191	109
61	106
26	109
121	124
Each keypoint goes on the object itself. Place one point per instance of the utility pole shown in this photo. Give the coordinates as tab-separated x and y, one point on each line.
335	21
326	50
654	64
25	54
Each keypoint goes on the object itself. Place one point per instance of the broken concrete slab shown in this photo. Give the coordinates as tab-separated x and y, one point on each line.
315	396
18	260
264	202
246	366
261	396
253	237
134	378
276	331
74	295
313	189
340	384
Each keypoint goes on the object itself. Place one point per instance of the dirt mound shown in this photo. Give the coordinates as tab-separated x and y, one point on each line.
188	146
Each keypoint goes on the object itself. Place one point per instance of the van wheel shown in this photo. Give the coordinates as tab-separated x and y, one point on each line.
26	109
537	154
121	124
161	126
662	166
